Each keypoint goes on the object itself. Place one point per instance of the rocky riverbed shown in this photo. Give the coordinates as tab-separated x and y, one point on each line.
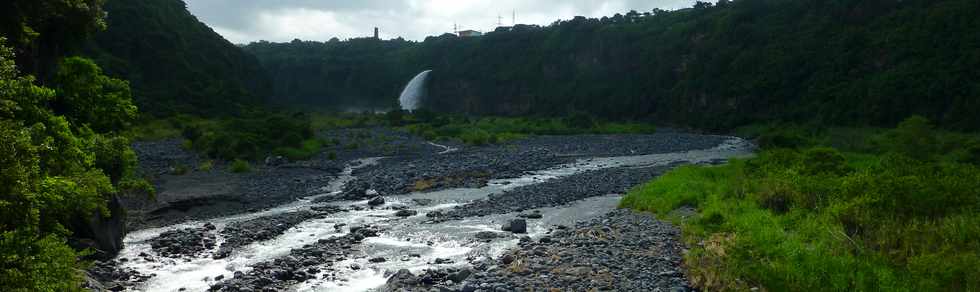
424	217
620	251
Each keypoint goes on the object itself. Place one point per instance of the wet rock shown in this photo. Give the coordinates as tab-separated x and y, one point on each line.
486	235
406	213
186	242
259	229
275	160
460	276
326	210
400	281
422	202
376	201
515	226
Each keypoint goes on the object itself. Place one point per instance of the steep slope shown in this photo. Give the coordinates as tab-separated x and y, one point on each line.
717	66
363	72
176	64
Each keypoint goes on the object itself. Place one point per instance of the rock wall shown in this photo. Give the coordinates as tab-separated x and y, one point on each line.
104	234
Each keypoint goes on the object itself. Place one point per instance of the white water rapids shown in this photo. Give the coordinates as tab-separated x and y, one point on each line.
451	240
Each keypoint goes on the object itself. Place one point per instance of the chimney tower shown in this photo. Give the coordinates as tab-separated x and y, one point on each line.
376	33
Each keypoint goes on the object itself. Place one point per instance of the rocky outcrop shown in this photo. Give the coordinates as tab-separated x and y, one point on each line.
101	232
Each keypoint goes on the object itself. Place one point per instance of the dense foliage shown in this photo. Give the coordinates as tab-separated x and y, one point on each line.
42	31
251	135
358	73
176	64
59	163
848	62
901	216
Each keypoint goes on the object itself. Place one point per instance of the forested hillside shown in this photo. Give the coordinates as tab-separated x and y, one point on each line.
363	72
712	66
175	63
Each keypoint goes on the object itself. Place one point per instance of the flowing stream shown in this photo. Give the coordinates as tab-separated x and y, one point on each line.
451	241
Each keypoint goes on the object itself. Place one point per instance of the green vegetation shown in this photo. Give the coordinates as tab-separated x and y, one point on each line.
180	169
492	130
321	121
206	166
361	72
61	161
902	215
176	64
835	63
250	136
41	32
240	166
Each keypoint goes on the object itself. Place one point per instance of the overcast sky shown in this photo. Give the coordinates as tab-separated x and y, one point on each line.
244	21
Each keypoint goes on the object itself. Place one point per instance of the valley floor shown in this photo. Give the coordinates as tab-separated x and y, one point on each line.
399	213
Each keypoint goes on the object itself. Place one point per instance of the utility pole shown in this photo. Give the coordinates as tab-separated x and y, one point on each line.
500	20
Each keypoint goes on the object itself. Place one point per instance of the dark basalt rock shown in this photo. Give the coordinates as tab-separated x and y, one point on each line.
406	213
187	242
515	226
376	201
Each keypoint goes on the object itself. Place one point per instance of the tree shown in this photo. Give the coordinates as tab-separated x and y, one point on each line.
90	98
41	31
55	171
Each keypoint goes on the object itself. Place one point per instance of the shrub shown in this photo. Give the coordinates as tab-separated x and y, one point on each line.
306	150
187	145
206	166
824	161
914	138
180	169
240	166
477	137
580	121
782	139
973	154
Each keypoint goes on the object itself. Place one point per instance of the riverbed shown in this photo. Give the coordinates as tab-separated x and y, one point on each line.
340	238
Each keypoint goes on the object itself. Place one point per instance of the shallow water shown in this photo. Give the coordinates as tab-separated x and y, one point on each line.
400	237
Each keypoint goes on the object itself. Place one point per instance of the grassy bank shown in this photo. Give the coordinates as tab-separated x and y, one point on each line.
492	130
901	215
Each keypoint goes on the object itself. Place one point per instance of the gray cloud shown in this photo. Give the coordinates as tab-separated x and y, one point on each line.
243	21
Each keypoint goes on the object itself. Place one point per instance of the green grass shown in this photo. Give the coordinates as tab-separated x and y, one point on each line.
153	130
336	120
308	149
496	130
813	219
